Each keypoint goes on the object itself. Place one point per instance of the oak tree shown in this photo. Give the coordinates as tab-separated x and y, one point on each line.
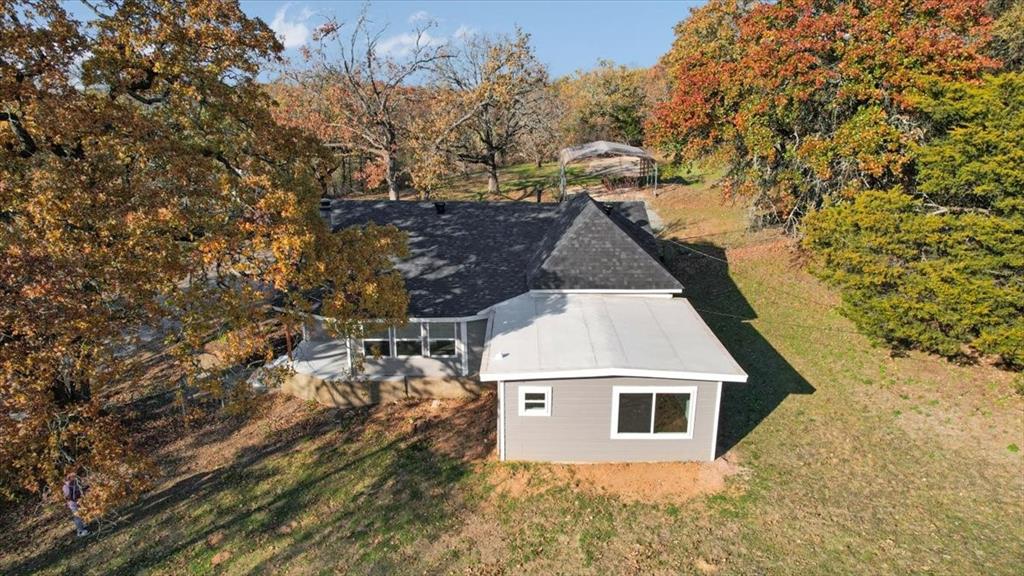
609	102
481	99
814	99
358	94
143	181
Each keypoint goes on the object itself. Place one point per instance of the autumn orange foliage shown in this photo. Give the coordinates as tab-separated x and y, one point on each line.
145	183
814	98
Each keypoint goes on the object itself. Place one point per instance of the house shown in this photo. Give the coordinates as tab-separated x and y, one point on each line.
564	308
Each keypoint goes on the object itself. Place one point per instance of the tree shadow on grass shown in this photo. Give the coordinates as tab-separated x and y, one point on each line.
353	490
703	270
681	179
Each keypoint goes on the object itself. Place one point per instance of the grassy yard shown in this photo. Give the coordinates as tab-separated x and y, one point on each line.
518	182
852	462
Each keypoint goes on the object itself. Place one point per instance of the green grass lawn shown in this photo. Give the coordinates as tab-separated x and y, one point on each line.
517	182
855	463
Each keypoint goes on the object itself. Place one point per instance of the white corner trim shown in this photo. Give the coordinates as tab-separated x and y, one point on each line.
691	411
501	421
462	347
447	318
489	376
485	362
714	429
521	400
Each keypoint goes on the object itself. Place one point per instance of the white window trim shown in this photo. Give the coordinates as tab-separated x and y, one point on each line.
389	339
392	339
617	390
462	349
523	390
455	337
395	340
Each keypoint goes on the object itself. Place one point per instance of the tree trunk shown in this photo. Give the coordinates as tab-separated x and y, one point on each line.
288	341
391	175
540	160
492	175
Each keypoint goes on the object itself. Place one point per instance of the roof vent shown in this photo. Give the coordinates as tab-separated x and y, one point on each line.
325	203
439	206
607	207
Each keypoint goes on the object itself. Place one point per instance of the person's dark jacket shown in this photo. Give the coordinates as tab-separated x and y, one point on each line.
73	490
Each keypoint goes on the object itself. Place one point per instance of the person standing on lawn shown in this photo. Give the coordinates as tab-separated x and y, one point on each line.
73	490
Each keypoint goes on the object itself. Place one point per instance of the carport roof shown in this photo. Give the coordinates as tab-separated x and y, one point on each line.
540	336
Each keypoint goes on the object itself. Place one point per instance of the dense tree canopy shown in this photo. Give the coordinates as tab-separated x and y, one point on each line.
866	126
1007	42
353	94
941	267
814	98
481	98
143	181
609	102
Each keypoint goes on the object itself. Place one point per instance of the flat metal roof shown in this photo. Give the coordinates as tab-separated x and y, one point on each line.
539	336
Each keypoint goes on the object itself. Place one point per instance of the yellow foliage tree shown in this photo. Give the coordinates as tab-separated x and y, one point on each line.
144	181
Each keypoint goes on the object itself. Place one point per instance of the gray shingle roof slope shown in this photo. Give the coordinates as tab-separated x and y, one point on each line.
478	254
471	257
632	217
587	248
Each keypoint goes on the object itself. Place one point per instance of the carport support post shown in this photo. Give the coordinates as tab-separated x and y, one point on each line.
561	182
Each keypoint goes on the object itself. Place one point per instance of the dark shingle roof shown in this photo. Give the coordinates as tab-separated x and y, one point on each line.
632	218
588	248
478	254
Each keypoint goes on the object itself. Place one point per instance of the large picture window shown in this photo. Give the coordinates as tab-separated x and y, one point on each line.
441	339
653	411
409	340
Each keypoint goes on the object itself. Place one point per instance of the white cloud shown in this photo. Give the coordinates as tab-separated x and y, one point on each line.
401	45
463	31
292	33
420	16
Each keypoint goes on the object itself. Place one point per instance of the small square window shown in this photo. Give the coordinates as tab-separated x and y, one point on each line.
535	401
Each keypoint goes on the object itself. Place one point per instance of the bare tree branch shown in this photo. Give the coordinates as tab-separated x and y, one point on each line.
28	144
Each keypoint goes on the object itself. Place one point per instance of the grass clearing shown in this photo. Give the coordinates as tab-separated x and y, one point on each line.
518	182
854	462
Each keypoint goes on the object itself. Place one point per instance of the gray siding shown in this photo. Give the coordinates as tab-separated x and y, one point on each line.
476	336
579	428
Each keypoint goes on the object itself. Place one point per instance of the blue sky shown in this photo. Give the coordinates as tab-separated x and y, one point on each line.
566	35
